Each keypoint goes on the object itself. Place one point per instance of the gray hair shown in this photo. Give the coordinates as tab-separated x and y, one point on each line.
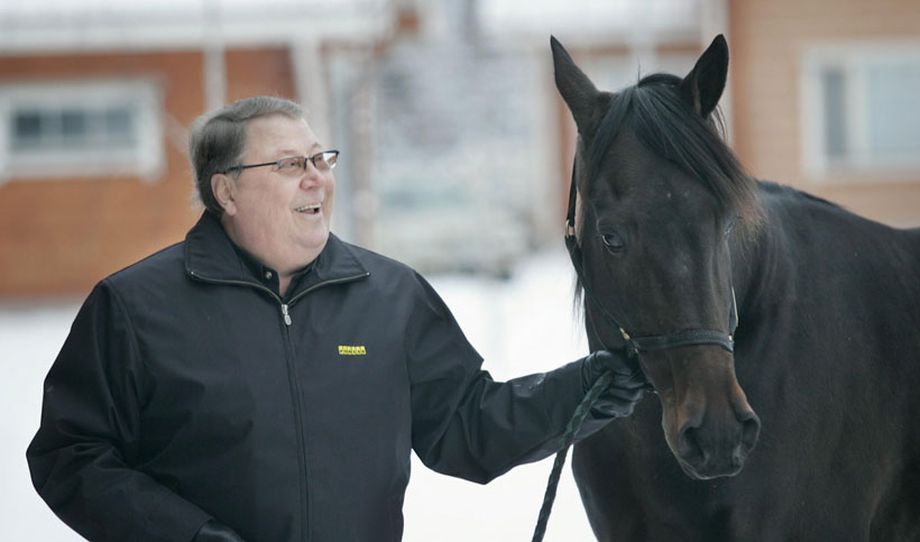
218	139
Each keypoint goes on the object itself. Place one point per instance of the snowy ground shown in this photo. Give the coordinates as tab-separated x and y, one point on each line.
520	326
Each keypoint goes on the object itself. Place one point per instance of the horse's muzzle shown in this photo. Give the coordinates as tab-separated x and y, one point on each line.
714	449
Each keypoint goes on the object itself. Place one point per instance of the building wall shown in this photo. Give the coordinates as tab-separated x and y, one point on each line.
767	39
60	236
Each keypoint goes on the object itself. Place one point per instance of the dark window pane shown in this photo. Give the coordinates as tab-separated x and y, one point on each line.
73	124
119	126
118	121
834	102
27	125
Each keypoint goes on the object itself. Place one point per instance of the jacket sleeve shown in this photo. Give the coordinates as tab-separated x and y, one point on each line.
464	423
81	457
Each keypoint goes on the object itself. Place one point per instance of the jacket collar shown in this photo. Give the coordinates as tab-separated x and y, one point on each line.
210	256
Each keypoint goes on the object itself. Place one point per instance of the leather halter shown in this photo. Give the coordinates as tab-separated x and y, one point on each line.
635	345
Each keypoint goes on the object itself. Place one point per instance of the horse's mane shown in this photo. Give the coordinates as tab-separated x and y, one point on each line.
658	115
776	188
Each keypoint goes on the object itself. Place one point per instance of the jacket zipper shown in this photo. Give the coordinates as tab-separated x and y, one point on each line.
285	314
292	378
294	383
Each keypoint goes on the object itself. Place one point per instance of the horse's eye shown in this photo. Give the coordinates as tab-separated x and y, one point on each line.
729	225
613	241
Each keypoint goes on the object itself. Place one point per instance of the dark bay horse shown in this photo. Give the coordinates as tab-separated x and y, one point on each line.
803	423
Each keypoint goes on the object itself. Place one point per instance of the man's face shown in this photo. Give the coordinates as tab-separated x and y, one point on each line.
281	219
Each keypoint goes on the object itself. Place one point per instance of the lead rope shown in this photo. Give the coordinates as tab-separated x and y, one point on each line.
571	430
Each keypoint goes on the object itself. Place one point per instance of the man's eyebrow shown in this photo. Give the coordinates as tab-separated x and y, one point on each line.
292	152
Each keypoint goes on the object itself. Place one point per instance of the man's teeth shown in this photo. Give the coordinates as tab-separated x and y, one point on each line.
312	208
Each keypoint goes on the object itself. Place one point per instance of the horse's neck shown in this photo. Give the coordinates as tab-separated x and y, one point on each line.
767	262
914	235
806	241
759	267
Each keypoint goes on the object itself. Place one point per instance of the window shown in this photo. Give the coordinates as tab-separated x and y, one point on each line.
79	129
860	110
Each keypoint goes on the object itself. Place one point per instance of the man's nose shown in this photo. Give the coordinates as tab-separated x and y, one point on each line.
311	175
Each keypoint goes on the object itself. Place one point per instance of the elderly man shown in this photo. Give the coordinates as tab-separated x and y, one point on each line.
264	380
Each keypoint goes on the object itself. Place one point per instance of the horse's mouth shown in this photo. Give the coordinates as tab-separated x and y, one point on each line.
708	472
707	464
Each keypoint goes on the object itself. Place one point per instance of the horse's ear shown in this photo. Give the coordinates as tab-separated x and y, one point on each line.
703	86
576	89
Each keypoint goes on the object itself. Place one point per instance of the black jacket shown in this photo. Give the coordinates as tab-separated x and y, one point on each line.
188	390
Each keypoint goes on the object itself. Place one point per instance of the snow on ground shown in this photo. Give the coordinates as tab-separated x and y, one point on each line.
30	337
520	326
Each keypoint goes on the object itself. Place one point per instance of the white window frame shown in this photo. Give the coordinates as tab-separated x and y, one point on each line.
853	59
145	159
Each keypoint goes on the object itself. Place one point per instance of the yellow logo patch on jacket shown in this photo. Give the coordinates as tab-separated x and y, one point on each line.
352	350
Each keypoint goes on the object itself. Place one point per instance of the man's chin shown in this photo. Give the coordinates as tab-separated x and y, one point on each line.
315	241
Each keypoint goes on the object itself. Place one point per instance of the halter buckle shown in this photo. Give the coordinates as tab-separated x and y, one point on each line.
569	228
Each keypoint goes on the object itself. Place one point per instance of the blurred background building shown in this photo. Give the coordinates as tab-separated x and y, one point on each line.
456	148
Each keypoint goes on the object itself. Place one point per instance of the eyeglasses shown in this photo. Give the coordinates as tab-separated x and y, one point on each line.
296	165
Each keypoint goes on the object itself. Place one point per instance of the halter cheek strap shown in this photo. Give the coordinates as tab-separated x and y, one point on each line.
636	345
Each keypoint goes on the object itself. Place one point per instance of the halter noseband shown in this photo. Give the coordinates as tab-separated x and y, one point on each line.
635	345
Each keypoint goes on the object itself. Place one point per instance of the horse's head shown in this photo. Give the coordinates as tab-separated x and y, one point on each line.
658	194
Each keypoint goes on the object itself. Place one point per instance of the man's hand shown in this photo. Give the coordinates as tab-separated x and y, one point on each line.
626	388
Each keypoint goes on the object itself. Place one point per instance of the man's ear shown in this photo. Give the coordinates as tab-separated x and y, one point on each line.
224	189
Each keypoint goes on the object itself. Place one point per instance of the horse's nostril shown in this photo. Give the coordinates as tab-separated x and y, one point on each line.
750	429
690	444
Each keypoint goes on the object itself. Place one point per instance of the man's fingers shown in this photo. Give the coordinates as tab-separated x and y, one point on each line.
625	395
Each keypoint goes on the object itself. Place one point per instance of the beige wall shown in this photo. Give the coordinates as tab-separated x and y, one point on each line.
767	39
60	236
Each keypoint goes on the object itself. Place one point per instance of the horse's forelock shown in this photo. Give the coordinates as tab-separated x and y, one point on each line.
656	113
672	130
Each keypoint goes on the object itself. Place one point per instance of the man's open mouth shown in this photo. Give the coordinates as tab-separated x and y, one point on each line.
310	209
